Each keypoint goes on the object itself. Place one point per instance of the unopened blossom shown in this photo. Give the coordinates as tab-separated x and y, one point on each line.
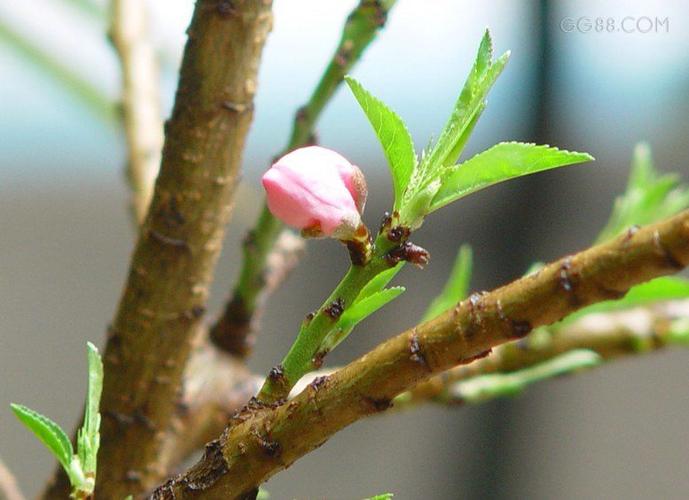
318	191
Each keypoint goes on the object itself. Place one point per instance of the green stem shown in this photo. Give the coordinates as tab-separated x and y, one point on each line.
306	354
233	328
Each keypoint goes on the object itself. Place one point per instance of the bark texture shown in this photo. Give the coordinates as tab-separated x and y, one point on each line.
151	336
264	439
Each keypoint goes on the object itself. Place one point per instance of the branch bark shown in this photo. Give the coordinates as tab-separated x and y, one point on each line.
217	384
262	440
141	115
160	312
235	329
611	335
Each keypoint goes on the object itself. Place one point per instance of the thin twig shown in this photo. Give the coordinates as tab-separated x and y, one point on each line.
9	489
141	115
164	299
264	439
234	329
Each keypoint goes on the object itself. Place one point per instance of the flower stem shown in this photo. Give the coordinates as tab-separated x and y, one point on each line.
234	326
307	353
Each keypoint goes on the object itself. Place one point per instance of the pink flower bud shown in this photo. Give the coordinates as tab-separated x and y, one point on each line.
318	191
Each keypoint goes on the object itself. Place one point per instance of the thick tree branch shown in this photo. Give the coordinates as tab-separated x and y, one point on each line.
611	335
164	299
143	125
260	441
219	384
234	330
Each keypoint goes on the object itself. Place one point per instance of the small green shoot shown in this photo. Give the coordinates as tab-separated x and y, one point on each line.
80	467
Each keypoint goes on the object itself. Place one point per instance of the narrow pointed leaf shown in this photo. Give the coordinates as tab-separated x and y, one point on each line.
48	432
469	105
649	197
360	310
484	387
392	134
503	161
89	436
657	290
456	286
365	307
379	282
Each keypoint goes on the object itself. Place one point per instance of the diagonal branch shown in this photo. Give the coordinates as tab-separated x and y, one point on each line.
141	116
161	309
611	335
217	384
235	328
264	440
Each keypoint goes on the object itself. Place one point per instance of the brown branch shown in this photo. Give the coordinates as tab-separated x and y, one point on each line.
9	489
611	335
164	299
261	441
217	385
141	115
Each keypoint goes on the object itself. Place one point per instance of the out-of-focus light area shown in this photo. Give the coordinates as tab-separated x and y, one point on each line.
598	79
574	80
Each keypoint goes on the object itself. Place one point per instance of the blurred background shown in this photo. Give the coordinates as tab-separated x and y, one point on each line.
615	432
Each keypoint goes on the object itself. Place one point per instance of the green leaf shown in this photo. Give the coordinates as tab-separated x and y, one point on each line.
649	196
379	282
469	105
363	308
356	313
657	290
382	496
456	286
484	387
48	432
393	136
88	437
503	161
